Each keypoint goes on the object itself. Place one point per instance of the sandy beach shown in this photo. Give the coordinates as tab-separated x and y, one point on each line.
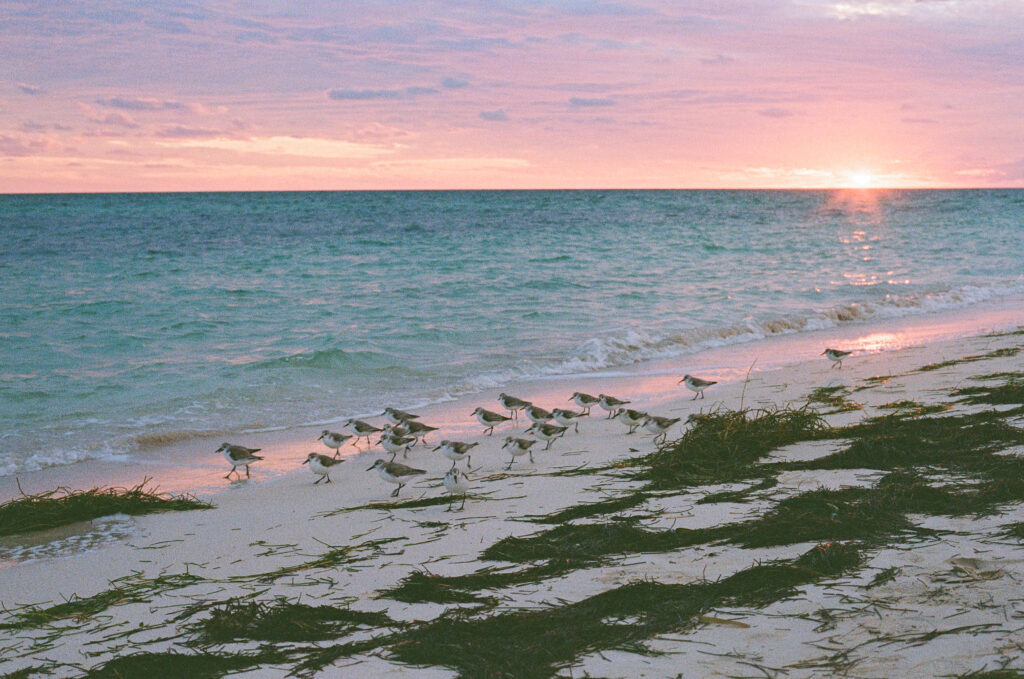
940	598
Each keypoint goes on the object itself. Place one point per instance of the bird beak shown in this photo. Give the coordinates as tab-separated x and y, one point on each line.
370	468
305	461
681	381
823	353
319	437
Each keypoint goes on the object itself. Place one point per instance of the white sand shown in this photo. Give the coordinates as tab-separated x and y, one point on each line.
279	518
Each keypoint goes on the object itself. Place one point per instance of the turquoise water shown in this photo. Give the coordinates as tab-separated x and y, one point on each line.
135	320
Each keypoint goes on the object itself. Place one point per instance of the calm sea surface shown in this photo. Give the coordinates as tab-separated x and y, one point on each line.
128	321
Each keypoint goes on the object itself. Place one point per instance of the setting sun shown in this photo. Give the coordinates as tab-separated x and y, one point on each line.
861	179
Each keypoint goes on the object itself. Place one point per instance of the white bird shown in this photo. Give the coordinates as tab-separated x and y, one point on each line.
418	430
362	429
584	401
517	447
659	426
321	465
392	472
396	416
455	486
238	456
629	417
512	404
836	356
610	403
696	384
548	432
489	419
456	450
333	439
397	444
568	417
537	414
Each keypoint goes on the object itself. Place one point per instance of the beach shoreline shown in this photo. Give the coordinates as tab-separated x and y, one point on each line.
264	536
192	465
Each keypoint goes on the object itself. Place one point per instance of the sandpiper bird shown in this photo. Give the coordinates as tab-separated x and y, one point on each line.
489	419
396	416
394	430
397	444
548	432
238	456
610	403
629	417
456	486
392	472
333	439
456	450
512	404
836	356
321	466
696	384
362	429
659	426
568	417
517	447
418	430
537	414
584	401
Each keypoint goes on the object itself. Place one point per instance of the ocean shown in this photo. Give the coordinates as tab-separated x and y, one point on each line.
131	321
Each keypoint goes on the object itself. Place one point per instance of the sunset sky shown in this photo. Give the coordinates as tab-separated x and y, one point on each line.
146	95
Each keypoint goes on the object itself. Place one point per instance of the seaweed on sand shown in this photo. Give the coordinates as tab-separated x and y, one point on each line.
61	507
723	445
132	588
535	642
281	620
195	666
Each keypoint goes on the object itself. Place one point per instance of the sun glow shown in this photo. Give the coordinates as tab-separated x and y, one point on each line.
861	179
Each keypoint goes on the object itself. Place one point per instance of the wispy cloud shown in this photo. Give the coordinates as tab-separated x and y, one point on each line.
366	95
29	89
133	104
496	115
590	102
309	147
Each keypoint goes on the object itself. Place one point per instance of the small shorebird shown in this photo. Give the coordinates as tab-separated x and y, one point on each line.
568	417
659	426
396	416
418	430
238	456
537	414
362	429
517	447
489	419
333	439
392	472
629	417
456	486
456	450
512	404
548	432
321	466
394	430
584	401
610	403
397	444
696	384
836	356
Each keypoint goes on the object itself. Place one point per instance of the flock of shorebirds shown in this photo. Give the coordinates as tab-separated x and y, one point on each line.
403	431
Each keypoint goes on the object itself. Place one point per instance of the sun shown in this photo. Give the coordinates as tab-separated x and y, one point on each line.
861	179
